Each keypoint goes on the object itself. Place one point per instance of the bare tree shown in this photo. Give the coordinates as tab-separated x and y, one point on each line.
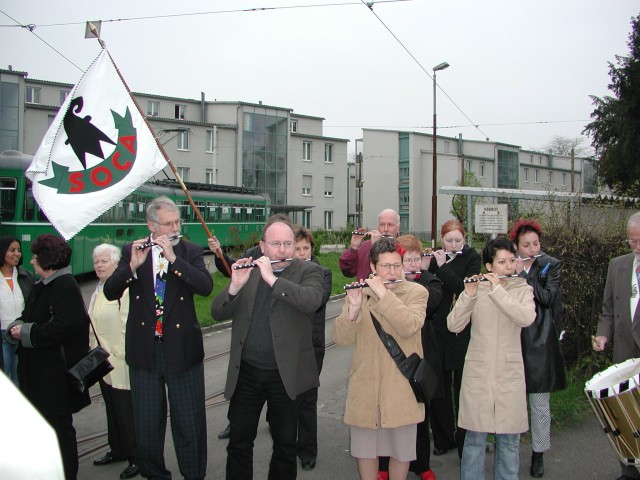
560	145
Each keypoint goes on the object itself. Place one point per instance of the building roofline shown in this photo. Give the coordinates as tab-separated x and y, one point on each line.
319	137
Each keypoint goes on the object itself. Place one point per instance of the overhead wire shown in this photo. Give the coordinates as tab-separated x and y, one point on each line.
369	5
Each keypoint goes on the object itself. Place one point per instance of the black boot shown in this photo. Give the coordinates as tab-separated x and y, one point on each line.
537	465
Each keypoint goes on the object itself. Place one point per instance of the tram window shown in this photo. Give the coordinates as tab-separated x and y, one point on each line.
129	232
118	212
226	214
8	198
260	215
119	232
250	215
42	217
213	213
29	208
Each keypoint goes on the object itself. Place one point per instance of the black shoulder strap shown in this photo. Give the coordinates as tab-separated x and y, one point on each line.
389	342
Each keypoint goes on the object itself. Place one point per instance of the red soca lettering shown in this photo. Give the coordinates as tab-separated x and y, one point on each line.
101	170
120	166
75	178
128	143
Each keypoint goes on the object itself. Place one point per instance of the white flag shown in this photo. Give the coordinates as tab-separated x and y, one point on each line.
97	151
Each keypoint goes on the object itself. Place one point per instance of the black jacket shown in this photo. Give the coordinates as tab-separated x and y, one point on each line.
541	351
54	337
453	346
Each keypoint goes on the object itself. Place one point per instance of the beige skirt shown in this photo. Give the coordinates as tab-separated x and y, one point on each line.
398	443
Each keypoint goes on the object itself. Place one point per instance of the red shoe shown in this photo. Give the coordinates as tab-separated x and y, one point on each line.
428	475
383	475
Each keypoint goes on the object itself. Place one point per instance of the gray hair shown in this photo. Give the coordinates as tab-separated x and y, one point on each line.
634	221
390	210
114	252
158	203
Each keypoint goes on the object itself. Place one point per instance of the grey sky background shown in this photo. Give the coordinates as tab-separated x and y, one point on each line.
520	70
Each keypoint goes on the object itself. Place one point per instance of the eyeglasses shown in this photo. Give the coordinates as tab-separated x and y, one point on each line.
385	267
633	243
409	261
176	223
277	244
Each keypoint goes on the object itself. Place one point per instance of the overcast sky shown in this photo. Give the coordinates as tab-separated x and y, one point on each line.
520	70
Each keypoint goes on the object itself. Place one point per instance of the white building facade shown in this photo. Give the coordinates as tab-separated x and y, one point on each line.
272	149
397	172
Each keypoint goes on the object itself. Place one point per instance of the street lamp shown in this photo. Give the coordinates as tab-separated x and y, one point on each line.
434	199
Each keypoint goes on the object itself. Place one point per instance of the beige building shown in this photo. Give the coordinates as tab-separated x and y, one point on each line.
271	149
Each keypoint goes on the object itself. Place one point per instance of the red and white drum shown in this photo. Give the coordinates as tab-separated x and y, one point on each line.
614	395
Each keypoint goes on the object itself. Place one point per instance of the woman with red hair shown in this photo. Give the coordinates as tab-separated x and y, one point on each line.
541	351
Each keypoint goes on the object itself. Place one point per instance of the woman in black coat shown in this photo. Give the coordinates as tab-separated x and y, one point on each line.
451	268
53	335
541	351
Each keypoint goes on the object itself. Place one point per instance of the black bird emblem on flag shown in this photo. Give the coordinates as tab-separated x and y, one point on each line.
82	135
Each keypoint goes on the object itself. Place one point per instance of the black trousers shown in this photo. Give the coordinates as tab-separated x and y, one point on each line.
422	463
120	429
308	418
255	387
442	411
66	433
185	390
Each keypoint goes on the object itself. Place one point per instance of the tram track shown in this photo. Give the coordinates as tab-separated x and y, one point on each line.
211	400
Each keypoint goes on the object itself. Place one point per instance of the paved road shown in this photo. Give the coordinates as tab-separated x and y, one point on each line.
579	451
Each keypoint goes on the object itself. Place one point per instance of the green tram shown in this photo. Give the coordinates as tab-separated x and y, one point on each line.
235	215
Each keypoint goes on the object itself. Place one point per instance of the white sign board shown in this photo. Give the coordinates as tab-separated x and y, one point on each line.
491	218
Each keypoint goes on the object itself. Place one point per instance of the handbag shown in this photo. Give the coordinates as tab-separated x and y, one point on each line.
91	368
421	376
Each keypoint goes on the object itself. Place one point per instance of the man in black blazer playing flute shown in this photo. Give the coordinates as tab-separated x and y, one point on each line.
164	348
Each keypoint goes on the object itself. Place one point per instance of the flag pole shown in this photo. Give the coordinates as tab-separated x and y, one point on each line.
164	153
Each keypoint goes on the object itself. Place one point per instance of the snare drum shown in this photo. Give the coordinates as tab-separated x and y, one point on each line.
615	397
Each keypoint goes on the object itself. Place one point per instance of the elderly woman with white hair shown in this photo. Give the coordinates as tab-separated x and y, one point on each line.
109	320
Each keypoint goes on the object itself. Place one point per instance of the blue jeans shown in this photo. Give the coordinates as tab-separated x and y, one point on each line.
10	360
507	457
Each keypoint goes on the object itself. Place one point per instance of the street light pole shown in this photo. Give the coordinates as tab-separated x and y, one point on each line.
434	186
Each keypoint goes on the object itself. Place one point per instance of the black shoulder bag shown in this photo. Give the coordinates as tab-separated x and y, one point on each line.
91	368
421	376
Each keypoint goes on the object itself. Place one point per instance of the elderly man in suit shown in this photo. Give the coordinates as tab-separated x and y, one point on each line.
164	348
620	318
272	358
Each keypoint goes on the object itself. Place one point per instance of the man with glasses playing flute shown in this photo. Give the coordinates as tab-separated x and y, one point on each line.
272	301
620	318
164	347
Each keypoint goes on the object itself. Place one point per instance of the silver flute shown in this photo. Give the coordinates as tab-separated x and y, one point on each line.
430	254
530	258
353	286
150	243
253	264
485	279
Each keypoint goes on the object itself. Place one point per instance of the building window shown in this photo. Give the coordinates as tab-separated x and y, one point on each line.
183	140
180	111
328	153
306	151
293	126
447	147
469	166
508	169
526	175
153	108
33	94
209	176
306	219
209	147
550	178
328	186
564	179
306	184
530	158
184	173
535	175
539	160
481	169
328	220
63	95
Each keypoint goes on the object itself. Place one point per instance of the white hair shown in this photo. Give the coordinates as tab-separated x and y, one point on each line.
114	253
